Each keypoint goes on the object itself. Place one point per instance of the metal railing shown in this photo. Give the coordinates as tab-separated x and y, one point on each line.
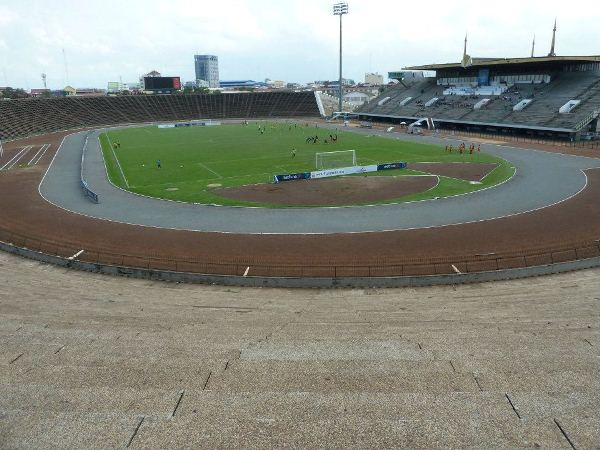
280	267
86	190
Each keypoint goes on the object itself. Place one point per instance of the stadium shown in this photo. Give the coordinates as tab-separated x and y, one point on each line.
479	183
492	239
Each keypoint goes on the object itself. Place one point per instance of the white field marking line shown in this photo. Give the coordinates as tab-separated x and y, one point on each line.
116	159
76	255
305	233
246	271
459	162
436	184
210	170
456	269
494	169
43	149
15	159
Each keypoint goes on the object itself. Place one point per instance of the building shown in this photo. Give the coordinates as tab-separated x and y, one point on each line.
90	92
117	86
242	84
275	84
207	69
356	98
39	92
327	83
373	79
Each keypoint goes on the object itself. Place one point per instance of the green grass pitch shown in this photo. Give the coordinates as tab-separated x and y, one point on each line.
195	158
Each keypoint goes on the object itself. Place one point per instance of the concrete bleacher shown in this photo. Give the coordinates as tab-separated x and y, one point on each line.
91	361
546	94
20	118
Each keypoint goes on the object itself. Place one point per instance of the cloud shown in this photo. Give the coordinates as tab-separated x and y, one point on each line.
294	41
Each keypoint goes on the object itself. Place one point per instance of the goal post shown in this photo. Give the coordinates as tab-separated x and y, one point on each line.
332	160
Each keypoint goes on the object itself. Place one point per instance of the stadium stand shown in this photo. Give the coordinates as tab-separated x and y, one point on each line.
527	95
20	118
331	104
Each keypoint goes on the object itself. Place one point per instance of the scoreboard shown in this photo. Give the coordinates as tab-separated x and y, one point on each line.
162	83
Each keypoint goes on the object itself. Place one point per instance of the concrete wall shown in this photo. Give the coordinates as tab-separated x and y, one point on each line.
298	282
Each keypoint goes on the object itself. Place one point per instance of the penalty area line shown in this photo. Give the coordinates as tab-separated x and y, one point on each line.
209	169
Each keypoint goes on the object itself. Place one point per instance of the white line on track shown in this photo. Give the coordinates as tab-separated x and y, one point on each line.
76	255
42	155
41	152
15	159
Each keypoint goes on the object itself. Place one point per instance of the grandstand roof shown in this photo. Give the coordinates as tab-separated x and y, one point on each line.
484	62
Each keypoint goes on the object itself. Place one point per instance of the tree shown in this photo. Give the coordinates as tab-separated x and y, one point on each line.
14	93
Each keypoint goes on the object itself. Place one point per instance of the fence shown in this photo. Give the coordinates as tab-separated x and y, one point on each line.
379	267
592	145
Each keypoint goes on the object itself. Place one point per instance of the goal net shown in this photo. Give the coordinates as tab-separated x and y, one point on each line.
333	160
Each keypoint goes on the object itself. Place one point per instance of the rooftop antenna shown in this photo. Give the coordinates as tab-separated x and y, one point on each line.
66	66
533	46
44	80
552	52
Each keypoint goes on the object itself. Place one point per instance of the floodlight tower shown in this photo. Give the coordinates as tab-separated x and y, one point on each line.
339	9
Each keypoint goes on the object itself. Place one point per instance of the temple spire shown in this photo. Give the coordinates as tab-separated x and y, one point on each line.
466	59
552	52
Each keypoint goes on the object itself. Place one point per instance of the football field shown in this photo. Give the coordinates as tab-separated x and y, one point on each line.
196	160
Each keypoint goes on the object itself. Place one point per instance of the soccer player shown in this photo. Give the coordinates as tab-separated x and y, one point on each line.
293	153
158	165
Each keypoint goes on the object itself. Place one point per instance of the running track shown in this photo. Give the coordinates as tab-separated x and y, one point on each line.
535	186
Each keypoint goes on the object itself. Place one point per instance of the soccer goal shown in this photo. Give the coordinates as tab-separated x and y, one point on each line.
332	160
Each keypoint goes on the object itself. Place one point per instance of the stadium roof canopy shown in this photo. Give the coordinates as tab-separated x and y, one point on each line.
487	62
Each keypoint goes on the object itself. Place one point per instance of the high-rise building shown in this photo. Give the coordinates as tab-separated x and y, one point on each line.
207	69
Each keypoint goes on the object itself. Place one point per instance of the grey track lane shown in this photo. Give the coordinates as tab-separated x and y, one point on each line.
542	179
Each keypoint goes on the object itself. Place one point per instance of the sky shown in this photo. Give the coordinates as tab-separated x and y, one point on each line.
290	40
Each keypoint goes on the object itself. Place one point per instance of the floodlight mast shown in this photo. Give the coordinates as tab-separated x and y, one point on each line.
339	9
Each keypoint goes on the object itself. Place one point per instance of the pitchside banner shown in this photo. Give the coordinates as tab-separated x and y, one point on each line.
390	166
292	177
339	171
343	171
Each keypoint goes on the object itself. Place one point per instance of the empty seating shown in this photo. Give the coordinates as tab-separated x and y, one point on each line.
532	101
20	118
